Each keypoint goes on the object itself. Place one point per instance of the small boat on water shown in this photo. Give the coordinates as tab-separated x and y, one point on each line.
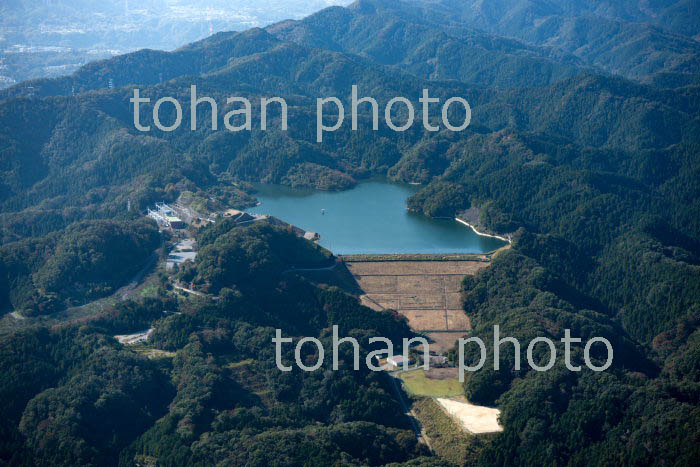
323	212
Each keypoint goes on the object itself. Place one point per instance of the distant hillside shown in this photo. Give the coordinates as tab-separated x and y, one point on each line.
583	144
397	39
533	45
637	40
676	16
47	141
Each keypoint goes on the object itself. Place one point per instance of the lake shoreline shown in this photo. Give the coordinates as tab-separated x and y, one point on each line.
461	221
371	219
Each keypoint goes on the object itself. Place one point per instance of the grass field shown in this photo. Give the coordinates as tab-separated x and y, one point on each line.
447	439
418	384
153	354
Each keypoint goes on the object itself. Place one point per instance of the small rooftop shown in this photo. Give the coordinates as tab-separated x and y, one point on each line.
397	360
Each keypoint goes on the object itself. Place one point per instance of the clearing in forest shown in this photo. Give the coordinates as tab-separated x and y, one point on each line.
426	292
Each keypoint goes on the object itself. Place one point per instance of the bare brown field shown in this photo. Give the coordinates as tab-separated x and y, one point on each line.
422	302
427	293
369	303
377	284
441	342
420	284
412	268
442	373
453	301
453	283
384	301
425	319
457	320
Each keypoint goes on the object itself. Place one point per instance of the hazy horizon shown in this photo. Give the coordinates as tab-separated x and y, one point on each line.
55	37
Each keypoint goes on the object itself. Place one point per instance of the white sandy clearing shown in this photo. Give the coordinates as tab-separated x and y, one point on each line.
130	339
475	418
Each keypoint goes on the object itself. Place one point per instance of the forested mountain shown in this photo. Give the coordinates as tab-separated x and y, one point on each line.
85	261
89	401
66	132
596	175
648	41
530	44
677	16
388	37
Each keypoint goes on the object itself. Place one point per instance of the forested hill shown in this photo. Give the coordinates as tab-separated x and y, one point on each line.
50	140
525	44
85	261
389	35
675	16
653	42
443	40
588	155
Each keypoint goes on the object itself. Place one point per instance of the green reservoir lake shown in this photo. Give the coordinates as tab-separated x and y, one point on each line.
370	218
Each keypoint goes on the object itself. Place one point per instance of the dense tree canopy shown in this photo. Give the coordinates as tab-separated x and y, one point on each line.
596	176
85	261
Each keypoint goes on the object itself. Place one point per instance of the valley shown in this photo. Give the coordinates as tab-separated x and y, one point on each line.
143	275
